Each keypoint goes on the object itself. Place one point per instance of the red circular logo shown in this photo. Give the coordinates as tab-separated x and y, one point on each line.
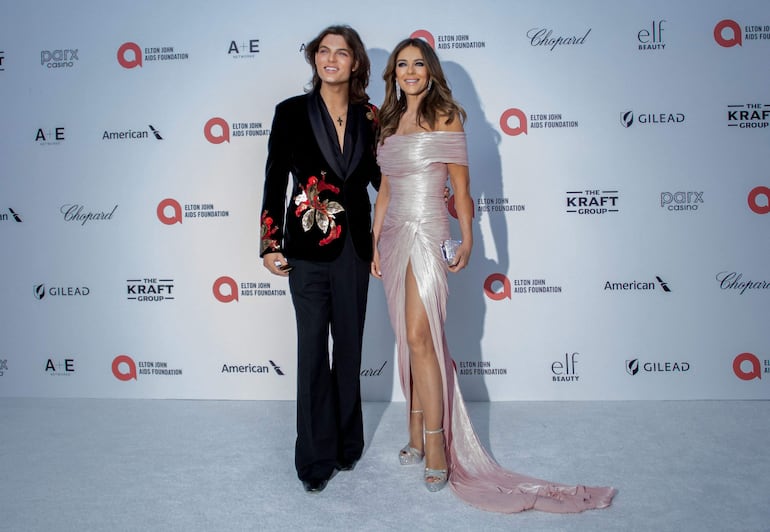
425	35
741	373
232	292
136	55
505	119
128	363
735	33
489	287
754	195
176	218
219	137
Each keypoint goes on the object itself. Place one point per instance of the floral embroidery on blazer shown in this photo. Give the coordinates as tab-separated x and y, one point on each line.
315	211
268	230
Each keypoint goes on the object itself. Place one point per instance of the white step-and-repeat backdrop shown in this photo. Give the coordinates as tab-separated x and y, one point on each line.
619	163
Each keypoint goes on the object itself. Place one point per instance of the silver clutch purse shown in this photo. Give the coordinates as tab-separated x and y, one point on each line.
449	250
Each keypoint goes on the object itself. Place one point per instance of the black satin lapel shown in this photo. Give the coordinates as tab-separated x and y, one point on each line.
319	131
357	126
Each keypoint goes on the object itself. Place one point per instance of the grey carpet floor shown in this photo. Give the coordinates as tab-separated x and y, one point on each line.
167	465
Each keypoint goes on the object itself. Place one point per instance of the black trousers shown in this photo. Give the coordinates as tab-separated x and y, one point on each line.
329	297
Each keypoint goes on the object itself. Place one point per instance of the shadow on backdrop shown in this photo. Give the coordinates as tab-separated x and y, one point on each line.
467	304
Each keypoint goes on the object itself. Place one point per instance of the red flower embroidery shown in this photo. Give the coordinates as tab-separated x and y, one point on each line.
315	211
333	235
268	230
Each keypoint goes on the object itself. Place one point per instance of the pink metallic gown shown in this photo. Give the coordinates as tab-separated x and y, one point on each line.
414	225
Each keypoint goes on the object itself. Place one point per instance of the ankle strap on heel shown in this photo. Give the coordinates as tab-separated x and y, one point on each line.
438	431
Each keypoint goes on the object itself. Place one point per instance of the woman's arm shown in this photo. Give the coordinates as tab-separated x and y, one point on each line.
459	178
380	206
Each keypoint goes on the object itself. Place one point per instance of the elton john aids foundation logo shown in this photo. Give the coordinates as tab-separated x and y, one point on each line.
759	200
747	367
452	41
130	55
728	33
497	287
425	35
169	211
216	130
518	127
514	121
124	368
225	289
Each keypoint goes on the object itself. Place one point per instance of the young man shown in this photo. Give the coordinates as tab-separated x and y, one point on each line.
325	140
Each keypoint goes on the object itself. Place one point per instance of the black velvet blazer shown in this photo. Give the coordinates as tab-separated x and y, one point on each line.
329	194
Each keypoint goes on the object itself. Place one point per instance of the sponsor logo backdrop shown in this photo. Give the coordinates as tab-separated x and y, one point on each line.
619	168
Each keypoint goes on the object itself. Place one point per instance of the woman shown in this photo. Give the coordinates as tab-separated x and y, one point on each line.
421	142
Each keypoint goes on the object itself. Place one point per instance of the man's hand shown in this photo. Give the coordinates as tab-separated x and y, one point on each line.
276	263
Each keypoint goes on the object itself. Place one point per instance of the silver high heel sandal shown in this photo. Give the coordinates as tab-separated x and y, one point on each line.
409	455
440	476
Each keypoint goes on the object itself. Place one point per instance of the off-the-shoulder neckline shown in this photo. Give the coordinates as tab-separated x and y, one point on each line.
426	133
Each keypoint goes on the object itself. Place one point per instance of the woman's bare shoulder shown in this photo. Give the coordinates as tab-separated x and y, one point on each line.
444	124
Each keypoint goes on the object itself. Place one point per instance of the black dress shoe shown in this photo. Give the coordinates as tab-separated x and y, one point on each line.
346	466
315	485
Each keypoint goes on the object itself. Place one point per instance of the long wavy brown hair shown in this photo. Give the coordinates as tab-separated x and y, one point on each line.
437	103
359	78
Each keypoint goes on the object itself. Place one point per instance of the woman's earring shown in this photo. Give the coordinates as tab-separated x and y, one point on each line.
398	91
430	84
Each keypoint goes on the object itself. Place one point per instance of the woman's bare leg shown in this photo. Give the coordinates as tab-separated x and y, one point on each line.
416	425
427	387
